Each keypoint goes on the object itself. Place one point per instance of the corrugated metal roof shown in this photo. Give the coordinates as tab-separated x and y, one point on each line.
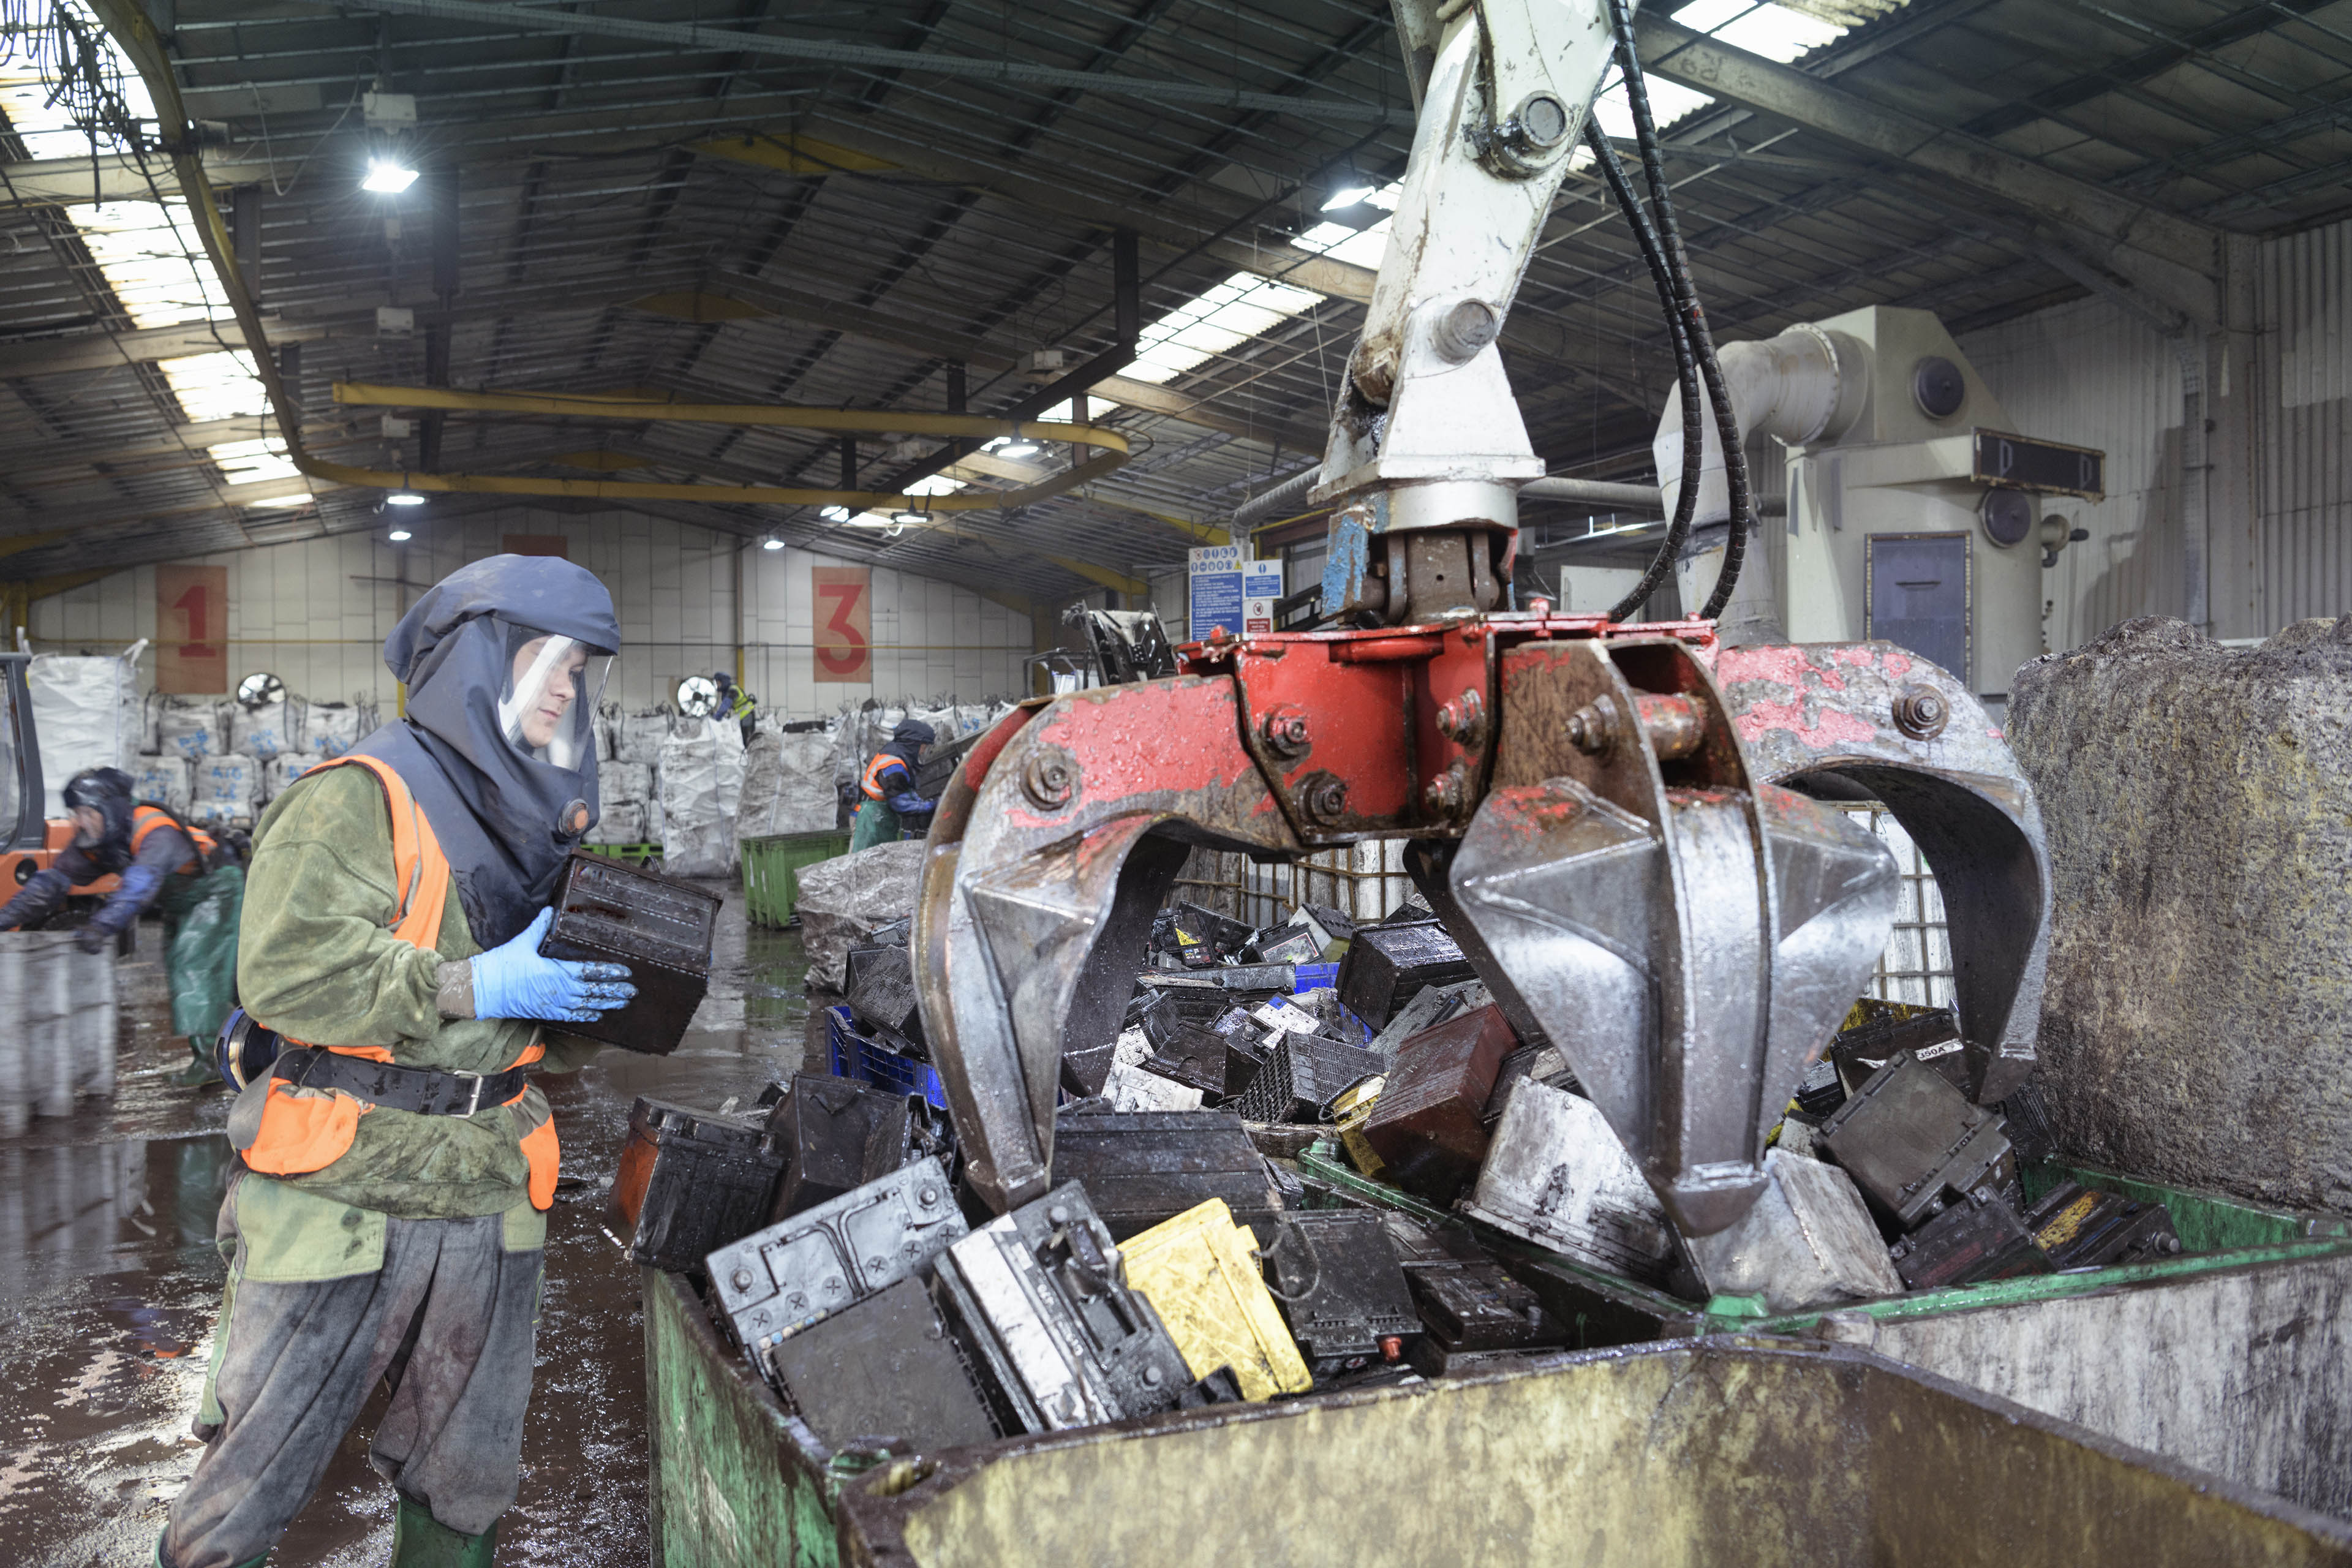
978	217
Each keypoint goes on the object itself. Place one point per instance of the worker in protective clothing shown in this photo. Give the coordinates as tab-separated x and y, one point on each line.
160	862
388	1216
893	808
736	704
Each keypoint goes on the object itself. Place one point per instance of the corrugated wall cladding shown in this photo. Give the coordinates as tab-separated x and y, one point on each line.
2087	375
316	612
2303	542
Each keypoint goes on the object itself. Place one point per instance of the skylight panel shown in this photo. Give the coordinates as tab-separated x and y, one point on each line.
251	462
1776	32
1247	306
154	259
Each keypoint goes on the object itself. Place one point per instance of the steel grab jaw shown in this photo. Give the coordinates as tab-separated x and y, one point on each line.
1688	936
1039	887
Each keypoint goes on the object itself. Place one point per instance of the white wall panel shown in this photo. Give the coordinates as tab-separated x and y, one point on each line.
316	612
2089	376
2303	485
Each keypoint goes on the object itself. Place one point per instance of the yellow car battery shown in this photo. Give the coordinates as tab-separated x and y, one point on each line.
1200	1272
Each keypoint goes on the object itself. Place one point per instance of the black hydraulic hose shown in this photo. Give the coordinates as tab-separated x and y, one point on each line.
1693	319
1685	372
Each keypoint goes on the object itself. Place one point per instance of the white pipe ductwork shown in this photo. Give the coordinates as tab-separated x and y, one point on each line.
1798	386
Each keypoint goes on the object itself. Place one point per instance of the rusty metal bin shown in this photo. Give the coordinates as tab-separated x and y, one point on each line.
1714	1451
2236	1358
1720	1452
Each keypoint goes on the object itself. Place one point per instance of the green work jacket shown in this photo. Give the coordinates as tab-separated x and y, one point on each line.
318	962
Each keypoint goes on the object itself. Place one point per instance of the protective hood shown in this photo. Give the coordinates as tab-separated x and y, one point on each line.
107	792
504	660
910	737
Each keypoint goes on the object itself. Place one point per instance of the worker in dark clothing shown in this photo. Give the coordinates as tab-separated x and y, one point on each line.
160	862
736	704
396	1161
892	807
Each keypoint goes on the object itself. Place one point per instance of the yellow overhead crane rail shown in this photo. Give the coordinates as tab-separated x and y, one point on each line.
1111	448
128	21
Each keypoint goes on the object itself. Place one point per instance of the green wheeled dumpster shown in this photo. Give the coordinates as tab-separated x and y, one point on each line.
771	866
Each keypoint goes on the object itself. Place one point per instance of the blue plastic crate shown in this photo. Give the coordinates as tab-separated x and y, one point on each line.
855	1057
1313	977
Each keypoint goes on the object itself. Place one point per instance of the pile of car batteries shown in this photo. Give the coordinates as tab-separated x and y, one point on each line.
1187	1251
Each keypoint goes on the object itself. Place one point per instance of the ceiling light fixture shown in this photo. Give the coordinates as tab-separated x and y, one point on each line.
771	543
1347	196
1019	447
387	178
905	518
399	536
833	514
403	498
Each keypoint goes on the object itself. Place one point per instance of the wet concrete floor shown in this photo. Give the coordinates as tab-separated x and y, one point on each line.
110	1283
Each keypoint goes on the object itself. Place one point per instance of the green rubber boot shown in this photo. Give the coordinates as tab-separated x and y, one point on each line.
199	1072
420	1540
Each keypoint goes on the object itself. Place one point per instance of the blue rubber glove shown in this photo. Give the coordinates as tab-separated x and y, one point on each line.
515	982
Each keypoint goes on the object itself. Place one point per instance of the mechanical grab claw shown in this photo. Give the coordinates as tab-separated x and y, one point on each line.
1609	819
1622	826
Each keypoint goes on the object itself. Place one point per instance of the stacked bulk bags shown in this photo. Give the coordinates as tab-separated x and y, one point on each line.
701	783
188	728
224	789
163	780
330	729
87	714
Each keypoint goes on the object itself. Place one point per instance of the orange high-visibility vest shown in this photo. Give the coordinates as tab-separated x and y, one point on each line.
146	819
301	1133
874	770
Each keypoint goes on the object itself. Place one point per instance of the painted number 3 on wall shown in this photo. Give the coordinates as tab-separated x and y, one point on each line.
842	623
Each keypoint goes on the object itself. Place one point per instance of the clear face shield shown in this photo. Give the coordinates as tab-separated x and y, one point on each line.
554	683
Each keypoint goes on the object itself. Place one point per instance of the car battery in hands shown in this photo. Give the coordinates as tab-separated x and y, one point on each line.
610	912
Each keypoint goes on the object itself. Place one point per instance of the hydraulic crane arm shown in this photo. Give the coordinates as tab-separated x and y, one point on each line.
1427	446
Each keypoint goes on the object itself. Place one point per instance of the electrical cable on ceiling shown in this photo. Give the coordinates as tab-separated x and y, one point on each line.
1691	318
1686	372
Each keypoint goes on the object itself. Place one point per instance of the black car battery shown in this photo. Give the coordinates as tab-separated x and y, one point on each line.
1039	1302
775	1282
1473	1309
884	1373
1913	1144
1388	965
835	1134
1931	1035
1302	1075
1335	1274
1143	1167
690	1180
607	911
1979	1239
1219	1066
882	997
2083	1227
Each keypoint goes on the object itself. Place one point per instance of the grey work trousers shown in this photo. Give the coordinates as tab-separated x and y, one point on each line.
449	1320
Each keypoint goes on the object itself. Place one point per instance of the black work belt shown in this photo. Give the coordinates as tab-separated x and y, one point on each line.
429	1091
